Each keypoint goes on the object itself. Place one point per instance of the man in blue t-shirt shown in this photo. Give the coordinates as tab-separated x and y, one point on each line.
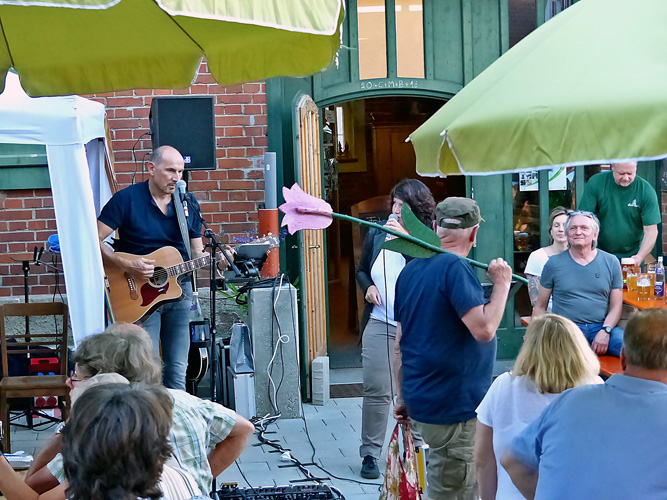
606	440
146	221
446	346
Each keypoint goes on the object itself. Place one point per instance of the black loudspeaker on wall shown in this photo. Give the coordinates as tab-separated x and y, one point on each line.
188	124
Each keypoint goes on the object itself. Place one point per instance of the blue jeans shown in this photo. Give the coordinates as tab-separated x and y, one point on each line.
170	325
590	330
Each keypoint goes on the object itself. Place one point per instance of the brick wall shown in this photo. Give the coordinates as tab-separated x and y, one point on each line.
229	195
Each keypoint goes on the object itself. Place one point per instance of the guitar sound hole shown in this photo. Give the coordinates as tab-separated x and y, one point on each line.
159	278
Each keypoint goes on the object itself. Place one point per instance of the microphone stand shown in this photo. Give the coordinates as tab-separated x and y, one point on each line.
215	284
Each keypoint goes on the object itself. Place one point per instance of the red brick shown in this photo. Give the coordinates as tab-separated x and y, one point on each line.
232	89
252	88
237	196
15	248
259	99
124	123
13	203
205	78
141	112
234	98
121	113
12	280
234	184
220	153
230	163
233	109
261	120
209	207
255	174
225	120
255	195
203	185
121	134
254	131
219	195
184	91
235	131
237	206
17	214
238	217
199	175
235	141
218	175
18	226
44	213
37	224
235	174
199	88
252	109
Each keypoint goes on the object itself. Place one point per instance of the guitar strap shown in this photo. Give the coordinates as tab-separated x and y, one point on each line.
183	226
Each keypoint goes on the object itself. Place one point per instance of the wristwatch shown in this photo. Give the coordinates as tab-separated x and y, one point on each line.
607	329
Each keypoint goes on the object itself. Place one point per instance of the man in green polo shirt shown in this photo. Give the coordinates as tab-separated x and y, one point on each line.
628	209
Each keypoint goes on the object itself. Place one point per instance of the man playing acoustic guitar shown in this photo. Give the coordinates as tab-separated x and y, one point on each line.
146	220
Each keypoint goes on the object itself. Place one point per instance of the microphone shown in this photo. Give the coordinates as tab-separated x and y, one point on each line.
180	186
391	217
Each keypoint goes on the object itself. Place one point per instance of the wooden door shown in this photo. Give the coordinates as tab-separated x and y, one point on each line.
313	276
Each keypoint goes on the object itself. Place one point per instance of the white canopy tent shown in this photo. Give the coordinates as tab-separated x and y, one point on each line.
72	128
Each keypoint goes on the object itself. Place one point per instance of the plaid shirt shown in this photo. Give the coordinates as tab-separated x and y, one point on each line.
198	426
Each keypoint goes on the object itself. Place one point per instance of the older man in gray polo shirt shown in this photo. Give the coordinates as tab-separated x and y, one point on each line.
586	284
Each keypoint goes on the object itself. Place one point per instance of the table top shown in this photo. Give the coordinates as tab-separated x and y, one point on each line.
631	299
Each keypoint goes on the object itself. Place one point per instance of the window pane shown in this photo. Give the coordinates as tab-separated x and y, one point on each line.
522	19
372	39
410	38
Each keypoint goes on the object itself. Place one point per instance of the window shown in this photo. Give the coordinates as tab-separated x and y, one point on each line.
372	39
409	38
23	166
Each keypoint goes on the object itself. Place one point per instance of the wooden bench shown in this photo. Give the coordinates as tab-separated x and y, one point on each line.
608	364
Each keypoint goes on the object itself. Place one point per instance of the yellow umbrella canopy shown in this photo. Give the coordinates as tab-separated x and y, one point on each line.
588	86
61	47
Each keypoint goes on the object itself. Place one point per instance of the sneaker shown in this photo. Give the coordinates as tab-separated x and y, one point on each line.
369	468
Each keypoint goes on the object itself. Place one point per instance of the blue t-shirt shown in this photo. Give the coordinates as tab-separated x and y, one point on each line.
446	372
142	227
600	441
581	293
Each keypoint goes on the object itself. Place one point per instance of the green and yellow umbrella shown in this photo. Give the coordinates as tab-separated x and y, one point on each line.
63	47
589	86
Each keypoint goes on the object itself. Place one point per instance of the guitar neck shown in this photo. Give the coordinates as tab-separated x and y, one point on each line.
189	266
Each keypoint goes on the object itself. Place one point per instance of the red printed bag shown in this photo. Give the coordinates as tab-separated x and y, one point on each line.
400	479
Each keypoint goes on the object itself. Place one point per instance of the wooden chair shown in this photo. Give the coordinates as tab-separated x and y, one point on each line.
33	345
374	209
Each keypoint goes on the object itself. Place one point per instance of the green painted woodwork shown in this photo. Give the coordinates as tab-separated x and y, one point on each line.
27	177
461	38
23	166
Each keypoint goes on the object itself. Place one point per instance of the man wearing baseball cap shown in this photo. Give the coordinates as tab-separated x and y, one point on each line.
446	346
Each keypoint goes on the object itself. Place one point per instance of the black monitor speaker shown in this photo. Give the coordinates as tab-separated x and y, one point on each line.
188	124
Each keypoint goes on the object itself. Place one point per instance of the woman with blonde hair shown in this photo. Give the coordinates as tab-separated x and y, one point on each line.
555	356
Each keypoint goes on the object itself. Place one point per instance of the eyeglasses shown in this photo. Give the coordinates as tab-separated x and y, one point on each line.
585	213
73	377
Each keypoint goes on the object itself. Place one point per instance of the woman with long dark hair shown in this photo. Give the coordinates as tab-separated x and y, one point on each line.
377	273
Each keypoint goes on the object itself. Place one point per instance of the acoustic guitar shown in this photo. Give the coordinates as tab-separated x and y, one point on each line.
133	298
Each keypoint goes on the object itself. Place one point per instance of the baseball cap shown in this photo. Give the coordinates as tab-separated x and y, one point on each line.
457	213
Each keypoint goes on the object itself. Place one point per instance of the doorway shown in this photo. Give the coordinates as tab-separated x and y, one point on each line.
365	155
